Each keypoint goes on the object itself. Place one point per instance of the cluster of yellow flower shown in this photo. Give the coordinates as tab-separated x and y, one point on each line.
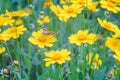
14	26
43	40
70	8
112	42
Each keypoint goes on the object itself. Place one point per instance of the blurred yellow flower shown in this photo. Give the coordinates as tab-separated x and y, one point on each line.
110	5
66	12
115	1
72	10
96	62
15	31
4	36
108	25
82	37
117	55
59	13
113	43
47	3
43	20
2	50
57	57
92	6
6	21
20	13
42	40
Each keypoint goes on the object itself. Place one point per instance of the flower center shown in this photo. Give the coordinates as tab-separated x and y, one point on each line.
41	39
70	10
107	26
13	30
57	57
81	38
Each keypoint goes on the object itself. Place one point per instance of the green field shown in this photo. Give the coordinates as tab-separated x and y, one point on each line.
59	39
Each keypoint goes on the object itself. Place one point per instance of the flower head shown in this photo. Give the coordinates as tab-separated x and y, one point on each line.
14	31
82	37
21	13
4	36
110	5
108	25
47	3
6	21
92	6
72	10
57	57
42	40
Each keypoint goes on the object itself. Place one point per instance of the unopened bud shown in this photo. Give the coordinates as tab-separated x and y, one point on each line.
5	71
16	62
31	6
78	70
41	12
66	70
107	13
110	76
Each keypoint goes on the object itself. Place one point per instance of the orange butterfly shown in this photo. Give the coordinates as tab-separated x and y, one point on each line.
46	32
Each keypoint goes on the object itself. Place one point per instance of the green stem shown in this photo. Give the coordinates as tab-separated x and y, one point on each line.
9	53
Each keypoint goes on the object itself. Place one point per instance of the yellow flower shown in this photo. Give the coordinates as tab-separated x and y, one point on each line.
93	6
59	13
113	44
66	12
42	40
15	32
117	55
4	36
82	37
21	13
108	25
57	57
43	20
72	10
96	62
86	3
6	21
110	6
2	50
115	1
47	3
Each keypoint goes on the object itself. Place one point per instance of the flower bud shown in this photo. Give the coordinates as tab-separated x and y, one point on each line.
5	71
41	12
16	62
